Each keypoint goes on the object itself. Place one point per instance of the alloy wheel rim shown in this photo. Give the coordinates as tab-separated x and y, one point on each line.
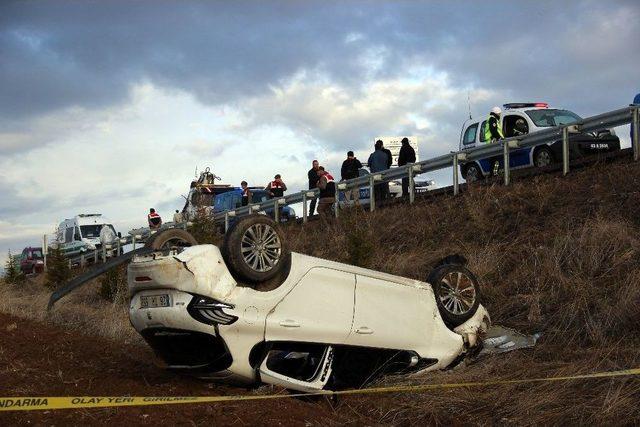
261	247
544	159
472	174
457	293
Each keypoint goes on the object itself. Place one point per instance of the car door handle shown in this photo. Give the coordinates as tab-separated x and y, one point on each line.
363	330
288	323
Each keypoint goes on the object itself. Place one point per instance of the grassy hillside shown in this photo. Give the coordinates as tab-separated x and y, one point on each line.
554	255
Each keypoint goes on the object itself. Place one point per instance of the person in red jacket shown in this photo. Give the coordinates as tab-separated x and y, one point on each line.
154	219
327	187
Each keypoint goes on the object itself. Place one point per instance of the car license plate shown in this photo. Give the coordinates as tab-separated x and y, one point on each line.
599	146
154	301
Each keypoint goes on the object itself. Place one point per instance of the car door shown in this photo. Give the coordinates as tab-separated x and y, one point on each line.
319	309
519	157
387	314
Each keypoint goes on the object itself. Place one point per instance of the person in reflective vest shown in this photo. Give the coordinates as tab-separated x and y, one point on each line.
493	133
246	193
277	187
154	219
327	187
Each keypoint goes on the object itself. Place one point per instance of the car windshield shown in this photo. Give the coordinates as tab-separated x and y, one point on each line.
36	253
259	196
90	231
548	118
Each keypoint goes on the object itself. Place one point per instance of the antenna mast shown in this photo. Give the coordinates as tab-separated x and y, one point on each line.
469	103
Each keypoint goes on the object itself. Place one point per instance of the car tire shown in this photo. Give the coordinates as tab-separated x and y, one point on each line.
255	249
543	157
472	173
171	238
456	291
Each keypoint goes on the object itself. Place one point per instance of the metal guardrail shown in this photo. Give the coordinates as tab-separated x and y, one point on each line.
502	148
138	236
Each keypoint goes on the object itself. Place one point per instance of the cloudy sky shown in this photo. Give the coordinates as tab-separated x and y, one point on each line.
109	106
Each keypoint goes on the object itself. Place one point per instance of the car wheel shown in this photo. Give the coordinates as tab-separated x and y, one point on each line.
472	173
255	248
543	157
457	293
171	238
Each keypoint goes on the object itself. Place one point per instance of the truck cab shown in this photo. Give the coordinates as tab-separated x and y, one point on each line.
519	119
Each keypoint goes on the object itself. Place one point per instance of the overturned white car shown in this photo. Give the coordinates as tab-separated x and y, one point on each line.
254	312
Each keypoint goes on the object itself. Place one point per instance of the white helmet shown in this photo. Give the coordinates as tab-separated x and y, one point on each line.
496	110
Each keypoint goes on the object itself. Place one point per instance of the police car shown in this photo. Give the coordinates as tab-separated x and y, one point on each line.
522	118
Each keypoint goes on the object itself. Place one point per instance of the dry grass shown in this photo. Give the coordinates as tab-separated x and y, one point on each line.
84	310
556	255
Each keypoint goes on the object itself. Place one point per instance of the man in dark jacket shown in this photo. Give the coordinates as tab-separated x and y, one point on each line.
350	169
407	155
313	183
379	161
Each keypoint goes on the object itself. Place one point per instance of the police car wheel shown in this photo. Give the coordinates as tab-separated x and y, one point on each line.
543	157
457	293
472	173
255	249
172	238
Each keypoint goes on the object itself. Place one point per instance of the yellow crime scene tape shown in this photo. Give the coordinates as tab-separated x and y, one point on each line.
44	403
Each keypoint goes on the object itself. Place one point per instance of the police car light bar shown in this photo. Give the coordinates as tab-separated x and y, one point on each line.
525	105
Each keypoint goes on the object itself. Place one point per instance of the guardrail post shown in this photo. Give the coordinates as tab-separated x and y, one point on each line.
95	256
118	247
372	194
276	211
226	222
70	264
104	253
44	250
133	241
636	138
565	150
304	207
83	261
412	185
505	160
456	184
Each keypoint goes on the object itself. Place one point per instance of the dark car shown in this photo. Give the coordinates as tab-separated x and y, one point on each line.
32	260
233	199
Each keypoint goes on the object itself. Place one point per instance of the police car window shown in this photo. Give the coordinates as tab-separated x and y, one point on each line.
483	129
549	118
470	134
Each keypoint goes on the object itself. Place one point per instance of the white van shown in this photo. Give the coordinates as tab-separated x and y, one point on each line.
83	228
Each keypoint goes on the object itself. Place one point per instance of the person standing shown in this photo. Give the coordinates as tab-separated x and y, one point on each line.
327	187
276	188
350	170
177	217
313	184
493	133
154	220
407	155
378	161
107	237
246	193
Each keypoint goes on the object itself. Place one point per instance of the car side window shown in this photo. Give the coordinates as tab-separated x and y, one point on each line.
77	234
514	125
470	134
68	234
483	129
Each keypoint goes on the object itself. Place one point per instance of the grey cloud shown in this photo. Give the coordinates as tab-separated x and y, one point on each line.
60	54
